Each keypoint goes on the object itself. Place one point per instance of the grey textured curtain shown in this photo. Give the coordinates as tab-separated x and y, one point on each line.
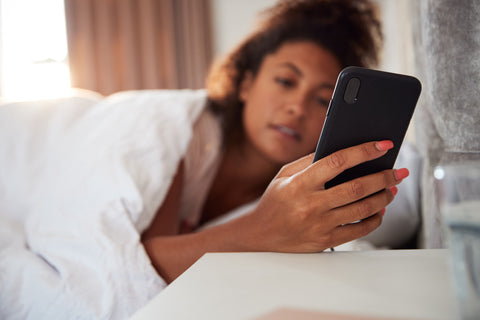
447	56
438	41
117	45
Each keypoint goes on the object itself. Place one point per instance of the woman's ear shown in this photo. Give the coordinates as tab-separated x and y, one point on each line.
245	86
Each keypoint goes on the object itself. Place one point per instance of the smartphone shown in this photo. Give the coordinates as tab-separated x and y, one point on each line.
367	105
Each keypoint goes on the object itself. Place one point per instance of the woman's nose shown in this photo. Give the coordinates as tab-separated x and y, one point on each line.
298	105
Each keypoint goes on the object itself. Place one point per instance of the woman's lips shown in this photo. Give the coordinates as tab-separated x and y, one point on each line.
287	131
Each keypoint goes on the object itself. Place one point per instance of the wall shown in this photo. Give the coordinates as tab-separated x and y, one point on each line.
232	20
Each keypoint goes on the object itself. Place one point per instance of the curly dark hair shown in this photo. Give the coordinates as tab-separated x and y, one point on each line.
349	29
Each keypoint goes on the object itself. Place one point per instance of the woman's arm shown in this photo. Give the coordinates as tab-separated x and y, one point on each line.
295	214
172	253
166	221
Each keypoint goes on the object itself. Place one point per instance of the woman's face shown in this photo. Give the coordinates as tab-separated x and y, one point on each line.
287	101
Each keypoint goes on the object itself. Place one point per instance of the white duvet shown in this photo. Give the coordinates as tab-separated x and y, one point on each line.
81	178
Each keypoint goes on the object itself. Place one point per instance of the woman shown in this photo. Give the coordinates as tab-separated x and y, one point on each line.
272	94
115	189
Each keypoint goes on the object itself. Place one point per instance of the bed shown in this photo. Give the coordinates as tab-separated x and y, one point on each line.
77	190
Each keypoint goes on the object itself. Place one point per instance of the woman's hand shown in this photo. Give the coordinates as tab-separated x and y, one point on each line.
297	214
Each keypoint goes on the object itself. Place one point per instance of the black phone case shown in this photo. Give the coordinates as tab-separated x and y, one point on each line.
382	111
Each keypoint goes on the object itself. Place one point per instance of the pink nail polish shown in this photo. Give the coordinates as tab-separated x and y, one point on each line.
394	190
384	145
401	173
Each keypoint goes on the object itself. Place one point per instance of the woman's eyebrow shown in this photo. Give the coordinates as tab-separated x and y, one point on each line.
295	69
292	67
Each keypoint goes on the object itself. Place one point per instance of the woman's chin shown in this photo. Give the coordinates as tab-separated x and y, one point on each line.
282	157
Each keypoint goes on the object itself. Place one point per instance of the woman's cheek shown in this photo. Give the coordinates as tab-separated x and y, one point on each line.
315	131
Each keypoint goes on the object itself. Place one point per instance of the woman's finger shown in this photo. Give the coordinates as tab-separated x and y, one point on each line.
329	167
359	210
352	231
362	187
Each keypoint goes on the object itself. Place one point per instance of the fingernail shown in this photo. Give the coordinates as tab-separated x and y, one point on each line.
401	173
394	190
384	145
382	212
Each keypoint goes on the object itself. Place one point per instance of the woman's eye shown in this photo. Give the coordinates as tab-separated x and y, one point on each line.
323	102
284	82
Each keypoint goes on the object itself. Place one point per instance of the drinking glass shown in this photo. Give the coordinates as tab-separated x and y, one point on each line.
458	191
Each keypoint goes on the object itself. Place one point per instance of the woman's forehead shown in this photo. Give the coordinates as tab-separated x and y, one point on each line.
303	57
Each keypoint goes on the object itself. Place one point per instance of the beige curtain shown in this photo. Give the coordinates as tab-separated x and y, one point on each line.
116	45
